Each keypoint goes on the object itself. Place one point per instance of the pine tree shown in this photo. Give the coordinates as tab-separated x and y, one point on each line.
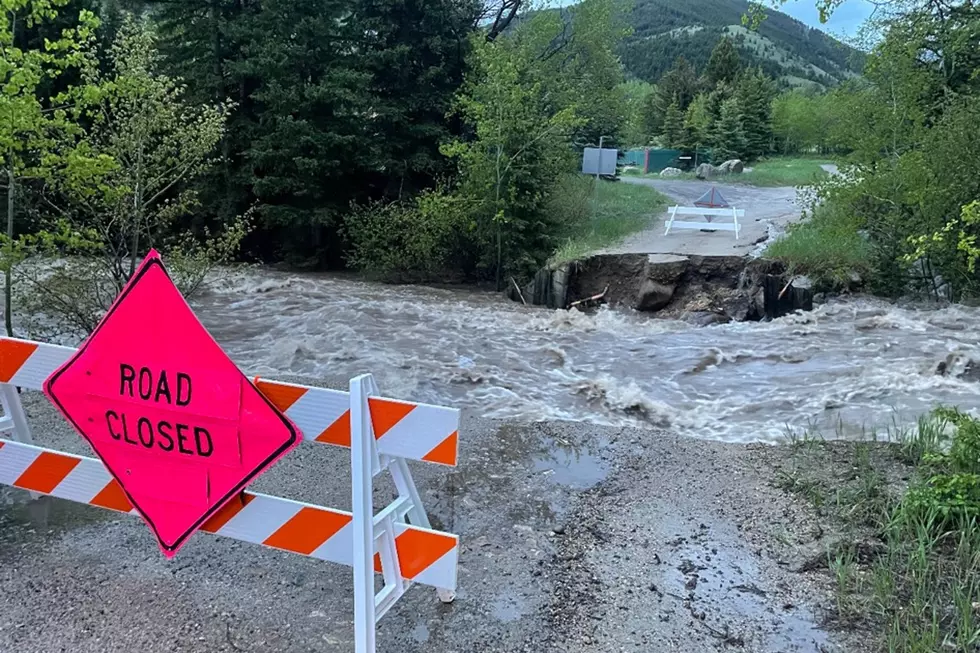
724	64
699	120
203	43
312	143
728	136
755	93
680	85
415	55
673	134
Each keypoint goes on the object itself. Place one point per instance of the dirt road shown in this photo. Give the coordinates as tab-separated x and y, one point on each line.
574	538
763	207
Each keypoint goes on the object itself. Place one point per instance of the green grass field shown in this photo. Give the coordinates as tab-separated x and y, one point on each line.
778	171
622	209
784	172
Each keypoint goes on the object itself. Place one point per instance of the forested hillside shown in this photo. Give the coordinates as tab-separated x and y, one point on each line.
786	49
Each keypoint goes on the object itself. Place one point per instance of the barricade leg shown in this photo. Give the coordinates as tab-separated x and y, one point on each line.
416	515
14	419
362	506
670	220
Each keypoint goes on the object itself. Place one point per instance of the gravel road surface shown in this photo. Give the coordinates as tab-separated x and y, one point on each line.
763	207
574	538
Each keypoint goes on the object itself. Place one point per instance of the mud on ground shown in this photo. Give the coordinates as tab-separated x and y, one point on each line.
574	538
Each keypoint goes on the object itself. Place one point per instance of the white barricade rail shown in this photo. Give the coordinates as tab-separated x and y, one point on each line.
397	542
732	213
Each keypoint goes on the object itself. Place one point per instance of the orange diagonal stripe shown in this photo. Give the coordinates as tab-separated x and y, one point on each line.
385	414
227	511
419	549
281	396
46	472
444	452
307	530
112	497
13	354
338	432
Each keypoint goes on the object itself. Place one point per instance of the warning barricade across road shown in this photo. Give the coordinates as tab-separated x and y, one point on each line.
405	429
179	433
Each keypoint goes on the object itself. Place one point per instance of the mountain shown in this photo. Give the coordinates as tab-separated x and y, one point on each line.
785	48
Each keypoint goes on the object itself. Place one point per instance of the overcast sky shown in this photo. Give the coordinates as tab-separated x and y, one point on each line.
847	19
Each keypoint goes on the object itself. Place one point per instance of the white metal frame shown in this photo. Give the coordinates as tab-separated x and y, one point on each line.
372	532
732	213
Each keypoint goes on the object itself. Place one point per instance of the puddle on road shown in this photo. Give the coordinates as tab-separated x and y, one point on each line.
508	608
573	467
420	633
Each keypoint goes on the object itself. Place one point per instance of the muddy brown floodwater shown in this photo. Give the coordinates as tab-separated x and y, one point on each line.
589	519
849	365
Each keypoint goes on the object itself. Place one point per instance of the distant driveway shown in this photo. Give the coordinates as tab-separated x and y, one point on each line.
763	206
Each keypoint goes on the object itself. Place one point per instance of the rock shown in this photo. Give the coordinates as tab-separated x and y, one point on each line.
671	172
654	296
706	171
732	166
819	554
802	282
971	372
707	318
738	306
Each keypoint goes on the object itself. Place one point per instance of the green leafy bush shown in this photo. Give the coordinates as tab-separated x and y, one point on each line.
950	495
949	499
407	241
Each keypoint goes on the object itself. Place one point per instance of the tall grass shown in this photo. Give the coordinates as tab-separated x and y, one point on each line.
782	171
827	246
919	587
599	217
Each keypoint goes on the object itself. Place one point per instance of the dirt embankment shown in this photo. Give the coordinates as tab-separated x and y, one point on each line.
702	289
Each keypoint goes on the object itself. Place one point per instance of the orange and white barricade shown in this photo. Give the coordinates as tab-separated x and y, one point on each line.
382	434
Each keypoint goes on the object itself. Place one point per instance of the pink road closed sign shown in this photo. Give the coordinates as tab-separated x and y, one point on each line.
173	419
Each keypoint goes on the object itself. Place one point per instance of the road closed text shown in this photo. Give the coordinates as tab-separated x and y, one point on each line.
161	388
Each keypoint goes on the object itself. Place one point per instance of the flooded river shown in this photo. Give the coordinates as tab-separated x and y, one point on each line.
847	366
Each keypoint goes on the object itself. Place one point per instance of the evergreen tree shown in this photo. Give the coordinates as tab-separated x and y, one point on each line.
680	85
724	64
315	124
673	134
728	137
416	58
755	94
698	121
203	43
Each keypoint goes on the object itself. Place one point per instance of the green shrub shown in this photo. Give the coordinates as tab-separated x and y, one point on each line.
406	241
964	452
950	496
946	499
827	247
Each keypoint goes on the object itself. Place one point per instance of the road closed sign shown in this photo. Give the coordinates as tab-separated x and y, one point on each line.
172	418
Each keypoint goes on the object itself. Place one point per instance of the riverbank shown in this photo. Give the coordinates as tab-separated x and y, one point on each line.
574	538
